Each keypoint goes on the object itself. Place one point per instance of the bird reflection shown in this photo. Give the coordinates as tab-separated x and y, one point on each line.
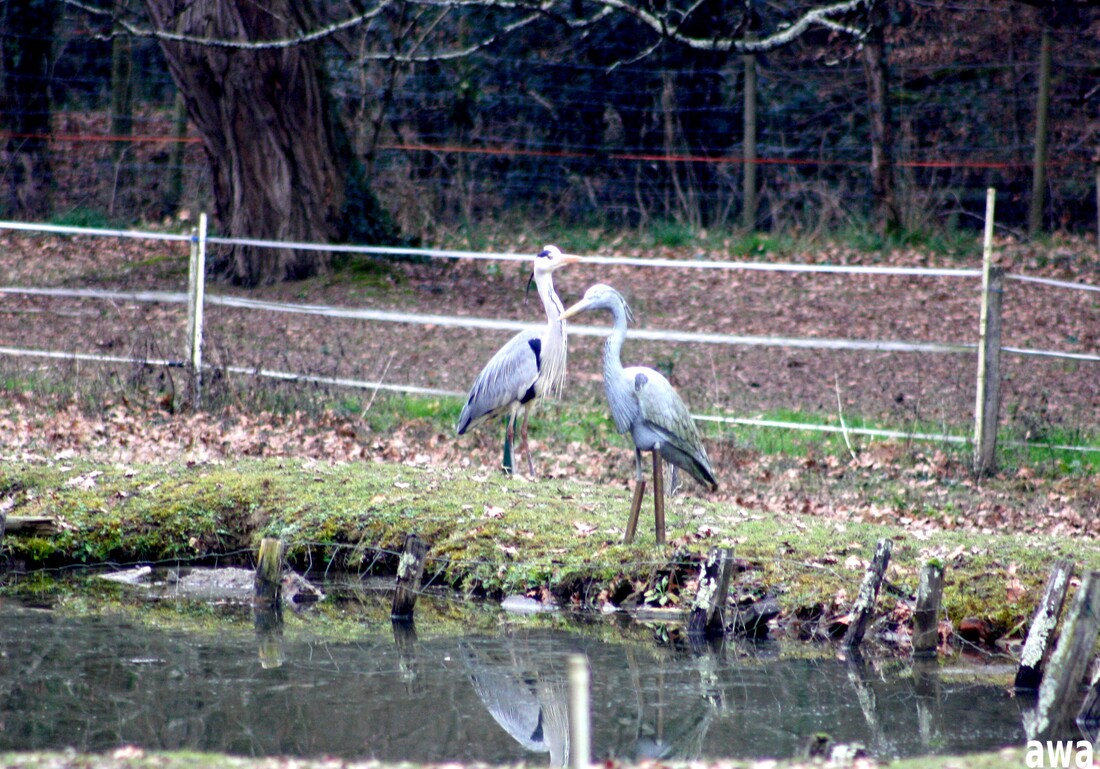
532	705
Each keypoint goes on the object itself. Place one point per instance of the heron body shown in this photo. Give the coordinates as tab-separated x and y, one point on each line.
528	367
644	403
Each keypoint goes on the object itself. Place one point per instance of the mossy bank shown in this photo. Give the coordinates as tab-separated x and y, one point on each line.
493	535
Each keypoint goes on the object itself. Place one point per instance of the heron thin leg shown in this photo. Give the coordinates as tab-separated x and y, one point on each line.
659	497
508	464
523	443
635	508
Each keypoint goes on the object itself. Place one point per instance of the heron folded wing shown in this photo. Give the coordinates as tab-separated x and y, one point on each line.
508	375
665	413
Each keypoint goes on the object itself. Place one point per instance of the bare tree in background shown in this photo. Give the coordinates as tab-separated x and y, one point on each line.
26	41
282	169
253	81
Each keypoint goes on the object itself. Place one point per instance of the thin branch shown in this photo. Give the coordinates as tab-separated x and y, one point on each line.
286	42
825	16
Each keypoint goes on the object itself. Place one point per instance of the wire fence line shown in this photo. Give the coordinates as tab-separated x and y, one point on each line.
507	325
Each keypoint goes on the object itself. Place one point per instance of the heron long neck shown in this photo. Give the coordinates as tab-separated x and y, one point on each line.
612	348
554	341
619	391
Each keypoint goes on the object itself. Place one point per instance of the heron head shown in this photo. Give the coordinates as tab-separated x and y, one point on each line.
547	260
601	297
551	258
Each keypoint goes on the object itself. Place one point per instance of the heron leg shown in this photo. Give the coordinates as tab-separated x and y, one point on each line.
659	497
636	502
523	442
635	507
508	465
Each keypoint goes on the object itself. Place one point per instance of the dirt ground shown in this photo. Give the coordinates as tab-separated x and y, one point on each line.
1044	399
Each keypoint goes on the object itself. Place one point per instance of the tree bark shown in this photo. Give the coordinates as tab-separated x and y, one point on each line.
281	166
886	213
26	60
1039	160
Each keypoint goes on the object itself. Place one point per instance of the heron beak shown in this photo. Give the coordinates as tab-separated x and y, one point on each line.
576	309
565	259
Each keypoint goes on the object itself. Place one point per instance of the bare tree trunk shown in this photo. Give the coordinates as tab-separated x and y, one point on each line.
1039	161
748	165
122	119
26	40
887	214
280	165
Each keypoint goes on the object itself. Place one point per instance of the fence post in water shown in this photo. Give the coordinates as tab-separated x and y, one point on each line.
196	288
410	570
708	612
1036	649
988	400
267	588
1070	659
926	614
860	615
580	745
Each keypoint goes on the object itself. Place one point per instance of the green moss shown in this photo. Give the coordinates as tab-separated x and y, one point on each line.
496	535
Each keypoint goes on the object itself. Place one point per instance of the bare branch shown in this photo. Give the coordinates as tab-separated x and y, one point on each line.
305	37
828	16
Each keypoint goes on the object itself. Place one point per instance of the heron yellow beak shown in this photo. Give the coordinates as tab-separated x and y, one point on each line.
576	309
568	259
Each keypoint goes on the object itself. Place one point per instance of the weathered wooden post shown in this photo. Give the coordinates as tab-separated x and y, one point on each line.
708	612
1071	657
1036	649
410	570
860	615
196	289
267	587
580	744
926	613
1088	717
988	401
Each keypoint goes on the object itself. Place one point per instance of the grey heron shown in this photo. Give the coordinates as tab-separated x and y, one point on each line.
527	368
644	404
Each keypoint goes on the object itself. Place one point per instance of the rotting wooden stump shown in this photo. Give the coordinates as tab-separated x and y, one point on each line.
708	612
1088	717
1069	660
1036	651
860	615
926	612
410	570
267	588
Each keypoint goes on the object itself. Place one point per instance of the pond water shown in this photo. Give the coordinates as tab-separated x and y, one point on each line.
93	683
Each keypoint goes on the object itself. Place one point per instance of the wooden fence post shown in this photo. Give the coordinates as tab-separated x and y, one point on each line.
1088	717
267	588
860	615
708	612
410	570
988	401
196	289
1070	659
1036	649
580	744
926	614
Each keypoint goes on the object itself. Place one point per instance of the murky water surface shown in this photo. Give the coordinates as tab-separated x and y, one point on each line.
94	683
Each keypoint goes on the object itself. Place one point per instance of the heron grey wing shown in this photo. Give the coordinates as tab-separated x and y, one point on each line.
504	381
665	412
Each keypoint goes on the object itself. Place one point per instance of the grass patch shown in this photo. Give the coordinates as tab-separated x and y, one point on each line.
492	535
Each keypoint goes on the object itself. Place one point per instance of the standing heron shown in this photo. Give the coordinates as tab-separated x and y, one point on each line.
644	403
528	367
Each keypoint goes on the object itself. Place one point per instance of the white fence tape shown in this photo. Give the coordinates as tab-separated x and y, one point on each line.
491	324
